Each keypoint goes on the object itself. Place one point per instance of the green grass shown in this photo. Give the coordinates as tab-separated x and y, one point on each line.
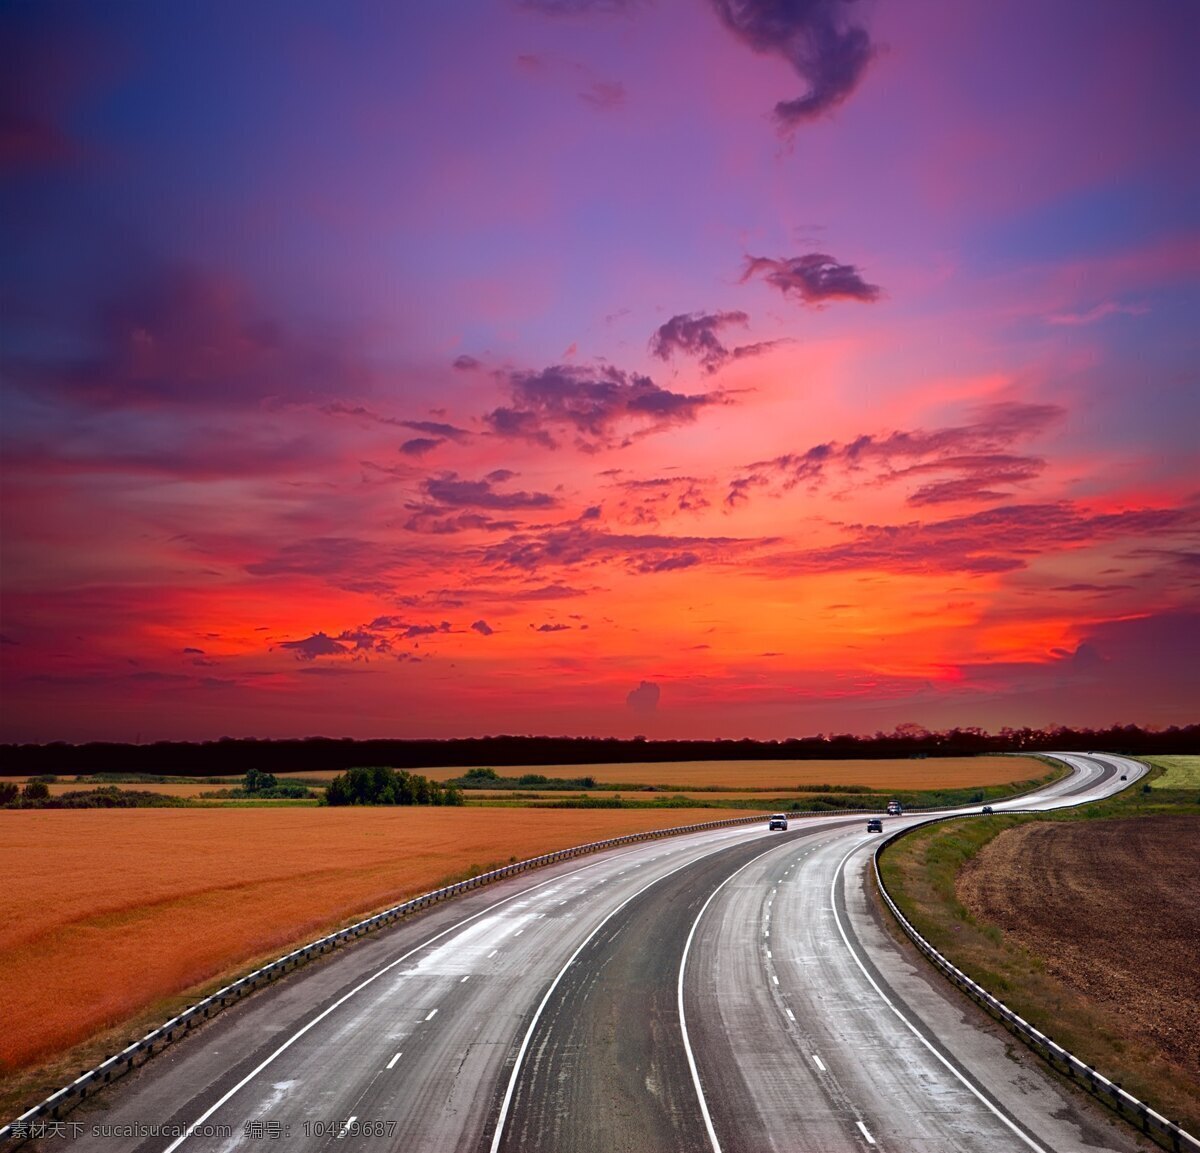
920	871
1179	772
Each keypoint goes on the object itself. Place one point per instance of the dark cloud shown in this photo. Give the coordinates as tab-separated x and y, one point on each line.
435	428
448	491
431	428
695	334
643	699
318	645
197	652
592	403
465	363
992	541
550	628
818	39
646	501
972	456
577	544
420	445
483	628
814	278
436	520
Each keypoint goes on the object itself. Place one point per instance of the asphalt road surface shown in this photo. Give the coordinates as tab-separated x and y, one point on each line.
733	991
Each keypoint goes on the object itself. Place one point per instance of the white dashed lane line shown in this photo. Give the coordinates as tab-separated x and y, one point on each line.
865	1132
346	1127
432	1013
818	1062
465	979
391	1064
493	953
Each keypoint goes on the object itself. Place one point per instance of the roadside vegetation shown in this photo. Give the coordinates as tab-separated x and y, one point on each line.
1100	967
1178	772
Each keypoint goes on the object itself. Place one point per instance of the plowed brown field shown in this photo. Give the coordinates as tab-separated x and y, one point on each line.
108	911
1111	907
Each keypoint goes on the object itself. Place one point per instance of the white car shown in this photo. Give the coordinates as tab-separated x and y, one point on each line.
778	821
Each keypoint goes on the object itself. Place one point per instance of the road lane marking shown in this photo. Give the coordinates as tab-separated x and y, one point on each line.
465	979
790	1014
518	932
493	953
431	1015
392	1062
362	985
687	1044
819	1063
865	1133
346	1127
906	1022
525	1041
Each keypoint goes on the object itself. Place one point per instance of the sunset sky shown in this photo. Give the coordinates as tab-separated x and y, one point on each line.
713	368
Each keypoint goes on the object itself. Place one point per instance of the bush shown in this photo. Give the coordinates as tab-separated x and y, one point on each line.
8	792
35	791
379	785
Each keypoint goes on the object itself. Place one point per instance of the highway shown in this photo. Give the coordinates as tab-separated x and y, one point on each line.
734	990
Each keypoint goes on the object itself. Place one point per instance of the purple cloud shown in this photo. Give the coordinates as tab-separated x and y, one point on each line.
592	403
483	628
695	334
815	36
814	278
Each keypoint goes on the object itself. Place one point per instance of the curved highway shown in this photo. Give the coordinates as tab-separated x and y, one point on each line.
732	991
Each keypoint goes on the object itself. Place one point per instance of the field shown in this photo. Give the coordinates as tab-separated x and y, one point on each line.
790	776
1181	772
1085	926
121	916
117	910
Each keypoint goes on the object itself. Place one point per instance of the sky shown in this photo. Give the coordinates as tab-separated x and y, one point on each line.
677	368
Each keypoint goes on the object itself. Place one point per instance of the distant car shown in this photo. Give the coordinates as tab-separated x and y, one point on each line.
894	809
987	810
778	821
874	825
1122	776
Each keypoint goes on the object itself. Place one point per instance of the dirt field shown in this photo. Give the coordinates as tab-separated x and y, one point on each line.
108	911
1112	908
785	776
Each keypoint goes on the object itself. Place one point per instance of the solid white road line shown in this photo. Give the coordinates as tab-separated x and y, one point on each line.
837	873
393	1061
687	1044
358	988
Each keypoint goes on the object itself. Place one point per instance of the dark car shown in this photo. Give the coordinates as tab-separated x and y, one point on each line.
987	810
874	825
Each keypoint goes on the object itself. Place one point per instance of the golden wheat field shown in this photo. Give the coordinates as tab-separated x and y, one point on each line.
109	911
791	776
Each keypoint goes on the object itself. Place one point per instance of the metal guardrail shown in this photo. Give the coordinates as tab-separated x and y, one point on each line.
19	1130
1152	1124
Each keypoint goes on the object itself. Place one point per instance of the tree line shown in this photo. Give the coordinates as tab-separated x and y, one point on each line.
239	755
